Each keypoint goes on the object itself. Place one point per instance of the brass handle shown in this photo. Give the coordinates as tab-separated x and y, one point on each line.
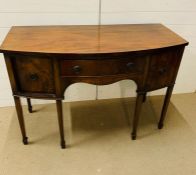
77	69
34	77
130	65
162	70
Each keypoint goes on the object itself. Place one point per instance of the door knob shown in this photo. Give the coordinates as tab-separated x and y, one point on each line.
34	77
77	69
130	65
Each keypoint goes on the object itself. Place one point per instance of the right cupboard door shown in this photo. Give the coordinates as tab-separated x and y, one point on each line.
163	68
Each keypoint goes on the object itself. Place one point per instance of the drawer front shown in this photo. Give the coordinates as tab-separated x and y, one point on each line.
34	74
162	70
102	67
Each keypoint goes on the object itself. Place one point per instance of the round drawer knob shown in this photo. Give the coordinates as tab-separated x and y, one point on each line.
162	70
34	77
130	65
77	69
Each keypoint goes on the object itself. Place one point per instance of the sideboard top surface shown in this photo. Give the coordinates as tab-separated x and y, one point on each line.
90	38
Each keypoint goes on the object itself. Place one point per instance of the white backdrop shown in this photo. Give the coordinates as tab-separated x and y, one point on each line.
179	15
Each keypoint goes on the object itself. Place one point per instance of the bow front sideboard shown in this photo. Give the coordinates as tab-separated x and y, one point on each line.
42	61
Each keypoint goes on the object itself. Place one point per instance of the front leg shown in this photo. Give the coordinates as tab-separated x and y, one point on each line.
165	106
20	119
138	106
60	121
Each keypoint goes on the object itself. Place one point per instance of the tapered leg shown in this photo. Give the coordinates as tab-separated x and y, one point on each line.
29	105
20	119
138	106
165	106
60	121
144	97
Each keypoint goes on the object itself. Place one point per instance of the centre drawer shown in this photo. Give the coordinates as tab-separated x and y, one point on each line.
101	67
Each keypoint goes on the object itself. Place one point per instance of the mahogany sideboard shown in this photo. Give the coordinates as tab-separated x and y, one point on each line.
42	61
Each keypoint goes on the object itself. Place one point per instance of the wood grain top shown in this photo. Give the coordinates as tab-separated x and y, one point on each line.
90	38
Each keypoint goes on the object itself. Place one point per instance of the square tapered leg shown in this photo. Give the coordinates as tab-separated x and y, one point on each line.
21	119
138	106
60	121
165	106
